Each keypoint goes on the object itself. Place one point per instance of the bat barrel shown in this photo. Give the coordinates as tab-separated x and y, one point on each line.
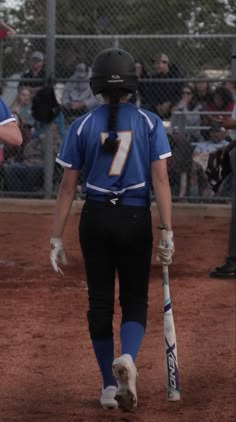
172	370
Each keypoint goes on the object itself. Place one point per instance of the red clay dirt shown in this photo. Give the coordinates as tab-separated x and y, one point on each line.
48	370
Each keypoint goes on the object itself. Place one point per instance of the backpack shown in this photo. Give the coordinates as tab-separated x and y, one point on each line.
218	167
45	106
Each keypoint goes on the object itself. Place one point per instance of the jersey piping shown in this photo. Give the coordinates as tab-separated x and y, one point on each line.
82	124
98	189
4	122
147	118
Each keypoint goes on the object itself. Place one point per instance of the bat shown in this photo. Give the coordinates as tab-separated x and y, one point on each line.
170	344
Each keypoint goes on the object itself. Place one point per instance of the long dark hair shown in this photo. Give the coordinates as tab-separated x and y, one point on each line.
110	144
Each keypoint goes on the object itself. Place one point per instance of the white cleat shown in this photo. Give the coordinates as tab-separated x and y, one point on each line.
125	372
107	399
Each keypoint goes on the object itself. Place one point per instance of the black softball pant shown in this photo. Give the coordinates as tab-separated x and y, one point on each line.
115	238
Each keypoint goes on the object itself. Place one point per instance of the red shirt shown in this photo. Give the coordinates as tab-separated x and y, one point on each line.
228	107
3	34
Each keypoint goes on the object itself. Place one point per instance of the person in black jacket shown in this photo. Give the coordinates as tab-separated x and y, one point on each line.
163	95
36	73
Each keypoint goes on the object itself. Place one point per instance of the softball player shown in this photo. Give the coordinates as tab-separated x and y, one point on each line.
120	148
9	131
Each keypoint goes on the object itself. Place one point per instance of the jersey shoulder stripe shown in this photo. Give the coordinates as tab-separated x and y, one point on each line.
147	118
79	130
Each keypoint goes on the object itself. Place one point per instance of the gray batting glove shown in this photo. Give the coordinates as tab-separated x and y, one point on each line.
166	249
57	252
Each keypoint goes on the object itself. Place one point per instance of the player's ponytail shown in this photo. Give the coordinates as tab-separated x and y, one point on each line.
110	144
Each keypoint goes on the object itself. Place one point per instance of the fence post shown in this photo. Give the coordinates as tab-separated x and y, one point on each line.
234	58
50	70
48	161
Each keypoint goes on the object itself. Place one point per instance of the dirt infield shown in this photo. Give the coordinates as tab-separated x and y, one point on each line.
48	371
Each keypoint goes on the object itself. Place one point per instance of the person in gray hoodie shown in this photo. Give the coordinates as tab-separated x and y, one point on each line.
77	97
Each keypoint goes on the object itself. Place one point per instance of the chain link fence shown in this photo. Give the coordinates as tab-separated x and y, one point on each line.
182	49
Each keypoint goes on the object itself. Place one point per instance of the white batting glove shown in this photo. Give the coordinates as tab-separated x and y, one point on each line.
57	252
166	249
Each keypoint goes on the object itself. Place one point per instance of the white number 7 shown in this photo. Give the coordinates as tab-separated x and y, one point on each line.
120	157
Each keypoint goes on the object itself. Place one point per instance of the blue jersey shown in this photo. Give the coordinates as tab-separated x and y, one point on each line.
5	114
142	139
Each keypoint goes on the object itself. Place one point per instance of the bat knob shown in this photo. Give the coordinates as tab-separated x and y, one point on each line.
173	396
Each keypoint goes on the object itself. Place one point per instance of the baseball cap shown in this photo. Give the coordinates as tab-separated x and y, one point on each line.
37	56
161	58
216	127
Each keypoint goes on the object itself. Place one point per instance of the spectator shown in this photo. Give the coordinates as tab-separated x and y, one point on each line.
203	92
222	102
217	140
198	180
22	106
231	86
6	30
163	94
77	97
141	97
37	71
188	103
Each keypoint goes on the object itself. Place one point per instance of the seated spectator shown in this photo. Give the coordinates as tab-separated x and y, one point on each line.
231	86
37	70
187	166
204	95
188	103
222	102
22	106
203	92
163	95
217	141
77	97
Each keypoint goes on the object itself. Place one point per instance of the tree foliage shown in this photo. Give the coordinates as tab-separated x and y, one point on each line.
127	16
98	17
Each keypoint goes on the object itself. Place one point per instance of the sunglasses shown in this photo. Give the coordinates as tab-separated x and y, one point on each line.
35	60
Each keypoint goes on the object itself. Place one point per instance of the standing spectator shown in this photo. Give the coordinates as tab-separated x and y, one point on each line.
77	97
164	94
141	96
188	103
228	269
36	71
6	30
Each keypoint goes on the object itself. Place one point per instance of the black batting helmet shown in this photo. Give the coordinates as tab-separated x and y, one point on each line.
113	68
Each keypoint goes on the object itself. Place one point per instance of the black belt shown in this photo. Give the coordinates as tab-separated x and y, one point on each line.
116	200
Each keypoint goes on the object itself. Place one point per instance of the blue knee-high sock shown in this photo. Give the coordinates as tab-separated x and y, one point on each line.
131	335
104	351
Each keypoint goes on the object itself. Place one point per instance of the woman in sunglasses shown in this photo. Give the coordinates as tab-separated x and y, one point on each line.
189	119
